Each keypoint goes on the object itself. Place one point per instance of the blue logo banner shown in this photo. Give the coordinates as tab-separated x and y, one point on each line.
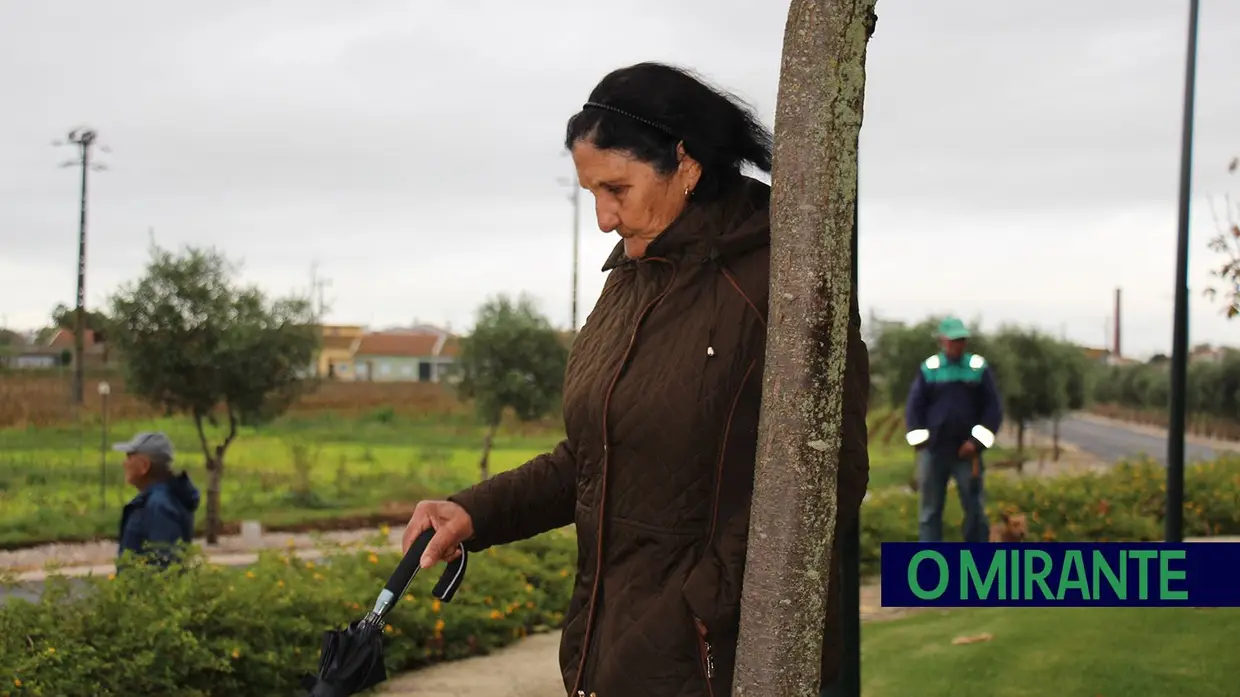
1107	574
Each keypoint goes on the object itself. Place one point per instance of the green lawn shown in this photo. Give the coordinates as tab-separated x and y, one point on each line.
292	471
296	470
1040	652
891	465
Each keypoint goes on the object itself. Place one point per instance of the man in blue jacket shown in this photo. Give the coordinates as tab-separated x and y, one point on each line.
161	516
953	413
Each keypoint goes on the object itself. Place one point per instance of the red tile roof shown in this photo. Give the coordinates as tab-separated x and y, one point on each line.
63	338
397	344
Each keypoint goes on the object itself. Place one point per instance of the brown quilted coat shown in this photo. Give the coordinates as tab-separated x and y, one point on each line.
661	401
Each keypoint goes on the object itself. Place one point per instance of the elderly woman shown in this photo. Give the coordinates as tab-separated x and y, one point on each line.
661	400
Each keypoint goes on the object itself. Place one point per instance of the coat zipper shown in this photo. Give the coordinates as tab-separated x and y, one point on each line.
602	499
707	662
704	648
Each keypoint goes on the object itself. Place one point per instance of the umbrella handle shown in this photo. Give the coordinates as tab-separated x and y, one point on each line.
449	582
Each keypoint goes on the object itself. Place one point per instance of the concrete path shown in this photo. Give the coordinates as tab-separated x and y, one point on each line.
529	668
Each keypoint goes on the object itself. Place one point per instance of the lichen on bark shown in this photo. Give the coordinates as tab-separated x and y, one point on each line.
814	184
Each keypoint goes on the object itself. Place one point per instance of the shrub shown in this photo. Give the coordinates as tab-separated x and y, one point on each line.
209	631
1124	503
205	630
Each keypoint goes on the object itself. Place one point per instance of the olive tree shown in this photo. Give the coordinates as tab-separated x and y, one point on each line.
513	359
196	342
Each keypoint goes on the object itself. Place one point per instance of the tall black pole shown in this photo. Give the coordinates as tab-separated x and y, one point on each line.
1179	339
83	138
79	315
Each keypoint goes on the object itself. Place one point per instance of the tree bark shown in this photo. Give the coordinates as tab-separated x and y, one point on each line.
215	476
817	127
215	472
484	467
1055	440
1020	447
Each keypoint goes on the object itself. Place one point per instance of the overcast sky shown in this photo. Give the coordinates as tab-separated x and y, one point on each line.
1019	159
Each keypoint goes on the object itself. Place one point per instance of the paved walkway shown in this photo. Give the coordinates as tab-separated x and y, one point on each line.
89	555
529	668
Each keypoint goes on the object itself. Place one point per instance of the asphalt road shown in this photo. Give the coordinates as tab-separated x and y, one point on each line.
1112	443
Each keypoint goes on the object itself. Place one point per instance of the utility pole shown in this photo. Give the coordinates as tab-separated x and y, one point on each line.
83	139
576	249
574	196
1174	518
318	303
1118	351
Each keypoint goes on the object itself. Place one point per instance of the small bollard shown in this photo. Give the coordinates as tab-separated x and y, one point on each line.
251	530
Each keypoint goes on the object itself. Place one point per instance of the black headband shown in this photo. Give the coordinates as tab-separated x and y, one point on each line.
635	117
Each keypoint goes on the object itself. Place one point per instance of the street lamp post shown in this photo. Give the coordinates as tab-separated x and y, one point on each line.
83	139
104	391
1174	518
574	196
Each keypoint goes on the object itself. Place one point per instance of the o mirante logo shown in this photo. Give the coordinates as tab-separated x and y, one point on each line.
1064	574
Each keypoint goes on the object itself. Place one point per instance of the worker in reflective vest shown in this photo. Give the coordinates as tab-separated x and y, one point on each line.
952	415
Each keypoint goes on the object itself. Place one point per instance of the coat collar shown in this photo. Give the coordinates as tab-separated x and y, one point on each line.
736	223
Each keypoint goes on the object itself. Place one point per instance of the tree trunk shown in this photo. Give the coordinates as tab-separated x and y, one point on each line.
215	470
792	520
1055	440
484	468
1020	447
215	475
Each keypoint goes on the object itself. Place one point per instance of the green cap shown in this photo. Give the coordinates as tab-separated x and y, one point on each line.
951	328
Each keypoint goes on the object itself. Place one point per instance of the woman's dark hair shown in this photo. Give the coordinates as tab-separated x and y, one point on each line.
647	109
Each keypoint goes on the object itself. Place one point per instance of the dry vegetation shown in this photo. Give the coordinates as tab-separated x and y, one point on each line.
39	400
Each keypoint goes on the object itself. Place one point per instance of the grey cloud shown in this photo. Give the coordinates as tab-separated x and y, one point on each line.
414	148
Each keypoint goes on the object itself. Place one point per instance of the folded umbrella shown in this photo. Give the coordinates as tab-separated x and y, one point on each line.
352	657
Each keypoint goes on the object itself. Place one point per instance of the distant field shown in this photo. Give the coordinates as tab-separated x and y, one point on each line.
336	461
41	399
301	469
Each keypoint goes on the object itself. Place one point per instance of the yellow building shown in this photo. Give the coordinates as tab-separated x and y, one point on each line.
339	341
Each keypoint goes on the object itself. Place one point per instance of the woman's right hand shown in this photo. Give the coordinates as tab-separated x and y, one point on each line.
452	524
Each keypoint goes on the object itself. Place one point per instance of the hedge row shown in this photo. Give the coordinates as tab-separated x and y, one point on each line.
1123	503
1212	387
248	632
219	631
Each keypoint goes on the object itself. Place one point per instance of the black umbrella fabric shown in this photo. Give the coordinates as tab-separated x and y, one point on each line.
352	658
